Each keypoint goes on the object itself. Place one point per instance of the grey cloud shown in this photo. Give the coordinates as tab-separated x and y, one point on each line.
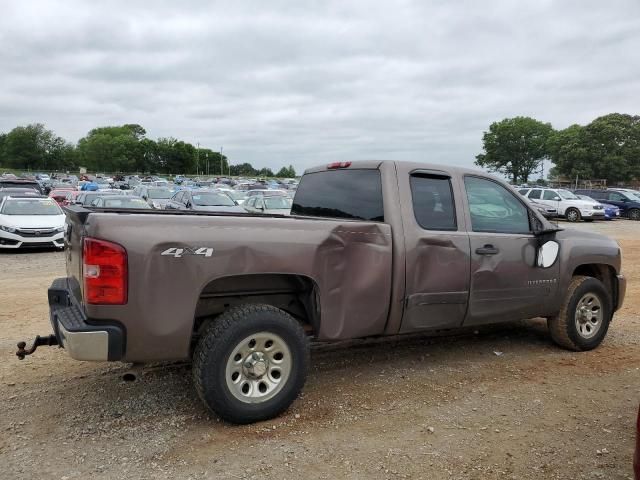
307	82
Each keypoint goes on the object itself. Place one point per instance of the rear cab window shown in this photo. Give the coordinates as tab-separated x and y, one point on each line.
354	194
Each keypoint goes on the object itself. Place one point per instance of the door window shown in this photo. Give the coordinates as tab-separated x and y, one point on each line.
433	205
550	195
535	194
616	197
493	208
178	197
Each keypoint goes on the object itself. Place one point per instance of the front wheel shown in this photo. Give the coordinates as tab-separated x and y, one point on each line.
251	363
634	214
584	318
573	215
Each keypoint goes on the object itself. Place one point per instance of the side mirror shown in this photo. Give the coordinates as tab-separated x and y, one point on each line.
144	197
557	199
548	254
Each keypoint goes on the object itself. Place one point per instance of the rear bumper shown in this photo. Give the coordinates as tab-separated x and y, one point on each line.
81	337
620	290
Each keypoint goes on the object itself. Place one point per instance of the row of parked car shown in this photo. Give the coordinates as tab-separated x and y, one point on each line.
29	218
585	204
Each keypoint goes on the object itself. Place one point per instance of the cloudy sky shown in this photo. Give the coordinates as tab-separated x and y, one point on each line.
302	82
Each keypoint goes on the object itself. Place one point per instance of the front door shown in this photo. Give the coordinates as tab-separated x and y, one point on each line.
506	284
437	253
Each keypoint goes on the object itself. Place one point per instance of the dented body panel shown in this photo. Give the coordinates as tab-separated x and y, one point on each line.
344	278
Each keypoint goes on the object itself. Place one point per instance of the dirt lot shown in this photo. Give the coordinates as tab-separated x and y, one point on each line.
502	402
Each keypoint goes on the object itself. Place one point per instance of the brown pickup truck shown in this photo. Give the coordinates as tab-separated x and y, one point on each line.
371	249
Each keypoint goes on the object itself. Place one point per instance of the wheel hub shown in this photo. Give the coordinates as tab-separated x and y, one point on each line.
255	365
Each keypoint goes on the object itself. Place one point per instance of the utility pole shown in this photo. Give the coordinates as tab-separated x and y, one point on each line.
198	159
221	163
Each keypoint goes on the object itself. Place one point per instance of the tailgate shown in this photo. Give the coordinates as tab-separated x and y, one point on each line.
74	233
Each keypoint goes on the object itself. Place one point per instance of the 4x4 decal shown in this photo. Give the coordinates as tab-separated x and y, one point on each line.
181	252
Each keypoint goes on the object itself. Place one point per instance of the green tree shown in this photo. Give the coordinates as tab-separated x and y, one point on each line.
515	147
33	147
265	172
114	148
243	169
286	172
607	148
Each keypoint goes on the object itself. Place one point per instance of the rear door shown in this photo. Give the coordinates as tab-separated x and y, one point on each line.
505	284
437	253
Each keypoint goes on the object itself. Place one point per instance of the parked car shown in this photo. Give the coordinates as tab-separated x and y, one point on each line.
610	211
204	201
627	202
156	197
27	191
27	221
370	249
61	195
21	183
238	196
120	201
270	204
567	203
545	210
87	198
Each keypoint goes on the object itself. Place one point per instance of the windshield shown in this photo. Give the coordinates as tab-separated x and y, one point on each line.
159	193
277	203
26	206
567	195
632	196
212	199
125	203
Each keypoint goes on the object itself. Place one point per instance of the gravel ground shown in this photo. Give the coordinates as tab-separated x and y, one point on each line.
498	403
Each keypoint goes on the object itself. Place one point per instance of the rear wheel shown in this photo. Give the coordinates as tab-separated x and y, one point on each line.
251	363
573	215
584	318
634	214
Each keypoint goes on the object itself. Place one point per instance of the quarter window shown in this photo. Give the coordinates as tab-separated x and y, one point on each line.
493	208
432	199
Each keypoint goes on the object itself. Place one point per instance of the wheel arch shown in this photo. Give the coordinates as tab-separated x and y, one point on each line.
603	272
297	295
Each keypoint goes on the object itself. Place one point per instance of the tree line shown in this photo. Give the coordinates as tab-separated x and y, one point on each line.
607	148
117	149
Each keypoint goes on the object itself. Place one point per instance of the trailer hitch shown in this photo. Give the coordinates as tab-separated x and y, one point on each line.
49	341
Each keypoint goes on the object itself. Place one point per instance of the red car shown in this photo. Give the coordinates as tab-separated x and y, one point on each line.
60	195
636	457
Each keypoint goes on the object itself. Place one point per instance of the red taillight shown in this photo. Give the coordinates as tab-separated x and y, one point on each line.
339	165
104	267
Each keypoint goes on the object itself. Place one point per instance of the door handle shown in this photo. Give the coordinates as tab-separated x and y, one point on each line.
487	250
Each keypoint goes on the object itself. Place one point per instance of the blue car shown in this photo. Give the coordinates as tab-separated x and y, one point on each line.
610	211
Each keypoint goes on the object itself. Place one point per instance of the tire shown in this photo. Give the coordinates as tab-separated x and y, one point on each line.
237	380
634	214
572	215
572	330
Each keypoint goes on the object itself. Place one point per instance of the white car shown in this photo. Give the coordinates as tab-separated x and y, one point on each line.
31	222
272	204
568	204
